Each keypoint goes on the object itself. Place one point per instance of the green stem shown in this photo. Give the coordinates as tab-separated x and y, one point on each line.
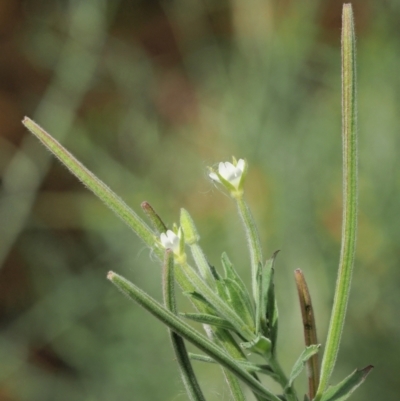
349	200
188	376
188	333
282	379
253	240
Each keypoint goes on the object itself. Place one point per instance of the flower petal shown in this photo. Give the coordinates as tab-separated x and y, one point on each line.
240	165
232	173
214	177
170	240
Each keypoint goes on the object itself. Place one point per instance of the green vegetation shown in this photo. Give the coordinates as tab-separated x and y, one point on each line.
267	92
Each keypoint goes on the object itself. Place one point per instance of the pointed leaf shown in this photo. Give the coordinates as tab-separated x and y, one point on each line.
238	302
250	367
183	329
265	281
202	264
206	306
231	274
188	227
224	310
345	388
307	353
349	199
208	319
272	312
113	201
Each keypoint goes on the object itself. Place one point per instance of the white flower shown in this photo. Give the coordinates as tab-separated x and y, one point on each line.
170	240
232	173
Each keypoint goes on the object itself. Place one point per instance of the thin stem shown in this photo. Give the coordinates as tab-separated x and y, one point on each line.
282	379
188	376
225	340
310	331
253	240
349	200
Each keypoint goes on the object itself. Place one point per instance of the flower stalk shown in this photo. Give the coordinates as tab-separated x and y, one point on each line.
188	376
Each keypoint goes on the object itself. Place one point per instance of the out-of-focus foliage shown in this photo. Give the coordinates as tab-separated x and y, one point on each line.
147	94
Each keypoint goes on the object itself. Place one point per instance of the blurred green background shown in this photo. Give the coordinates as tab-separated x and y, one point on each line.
147	94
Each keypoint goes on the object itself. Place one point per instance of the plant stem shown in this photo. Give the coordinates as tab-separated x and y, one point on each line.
188	333
349	134
188	376
253	240
282	379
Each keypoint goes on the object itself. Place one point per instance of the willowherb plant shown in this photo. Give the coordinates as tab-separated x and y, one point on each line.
238	322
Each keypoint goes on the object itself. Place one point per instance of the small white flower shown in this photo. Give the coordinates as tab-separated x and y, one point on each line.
230	172
170	240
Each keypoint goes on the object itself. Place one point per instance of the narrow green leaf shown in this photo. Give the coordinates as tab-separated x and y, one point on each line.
234	386
113	201
238	302
345	388
206	306
201	358
265	282
272	312
208	319
191	234
188	376
307	353
225	339
231	274
224	310
250	367
155	220
187	332
349	225
261	304
222	291
202	263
